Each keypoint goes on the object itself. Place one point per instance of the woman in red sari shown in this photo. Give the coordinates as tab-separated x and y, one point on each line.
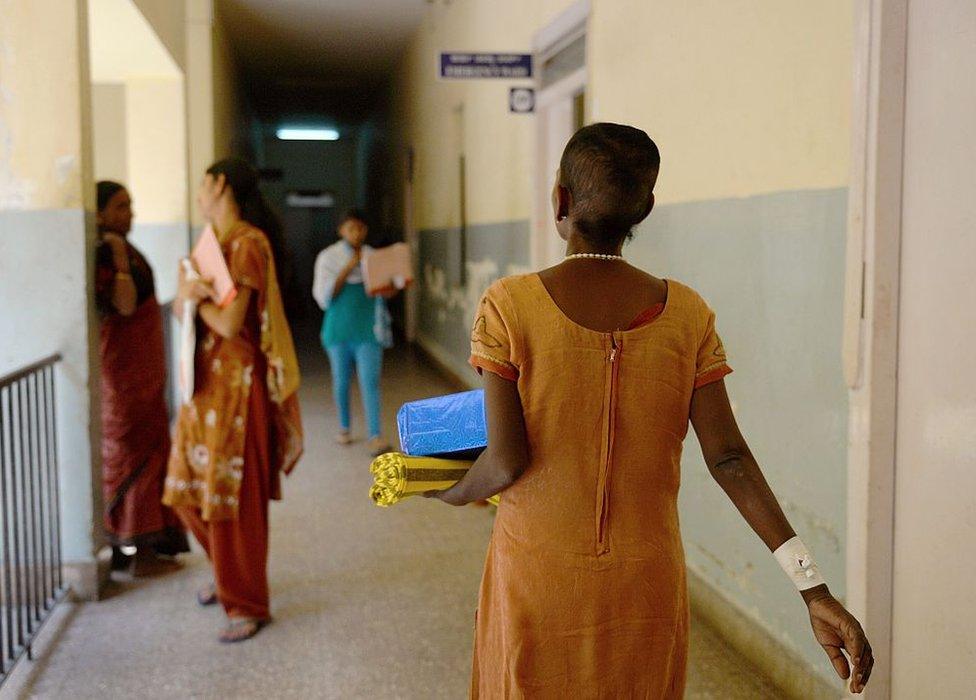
135	426
242	428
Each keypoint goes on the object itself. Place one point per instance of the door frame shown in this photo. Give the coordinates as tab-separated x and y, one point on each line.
870	348
412	300
565	28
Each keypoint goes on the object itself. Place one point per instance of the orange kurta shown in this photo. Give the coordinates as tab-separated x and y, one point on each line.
206	465
584	590
238	549
240	431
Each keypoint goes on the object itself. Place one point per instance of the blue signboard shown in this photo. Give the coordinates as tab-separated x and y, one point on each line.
486	65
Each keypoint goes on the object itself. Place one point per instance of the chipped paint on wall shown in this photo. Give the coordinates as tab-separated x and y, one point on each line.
454	297
741	573
446	305
41	96
15	192
806	520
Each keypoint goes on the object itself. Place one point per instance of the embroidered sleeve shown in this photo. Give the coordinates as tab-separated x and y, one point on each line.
712	364
248	263
492	334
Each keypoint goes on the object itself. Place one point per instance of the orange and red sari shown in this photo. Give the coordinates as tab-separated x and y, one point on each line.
240	432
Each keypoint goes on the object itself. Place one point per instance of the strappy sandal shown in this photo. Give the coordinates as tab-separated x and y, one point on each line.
207	595
241	629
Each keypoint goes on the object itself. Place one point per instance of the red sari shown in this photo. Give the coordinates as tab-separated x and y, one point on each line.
135	424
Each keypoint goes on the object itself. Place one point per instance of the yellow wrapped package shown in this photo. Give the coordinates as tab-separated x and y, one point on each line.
397	476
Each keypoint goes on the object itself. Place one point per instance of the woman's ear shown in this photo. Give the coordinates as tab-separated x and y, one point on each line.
99	220
562	202
649	207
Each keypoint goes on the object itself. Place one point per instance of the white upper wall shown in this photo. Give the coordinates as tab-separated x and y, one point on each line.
168	18
109	130
124	45
140	125
743	97
440	118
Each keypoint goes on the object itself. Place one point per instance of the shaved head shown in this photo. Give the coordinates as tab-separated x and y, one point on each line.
610	171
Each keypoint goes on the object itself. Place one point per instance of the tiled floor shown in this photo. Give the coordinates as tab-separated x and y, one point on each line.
368	603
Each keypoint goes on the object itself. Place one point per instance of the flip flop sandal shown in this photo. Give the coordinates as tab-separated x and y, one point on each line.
207	596
241	629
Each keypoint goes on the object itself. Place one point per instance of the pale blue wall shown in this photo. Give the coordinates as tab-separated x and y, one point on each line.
45	280
446	308
772	268
163	245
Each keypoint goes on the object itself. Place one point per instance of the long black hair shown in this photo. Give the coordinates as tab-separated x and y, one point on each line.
243	179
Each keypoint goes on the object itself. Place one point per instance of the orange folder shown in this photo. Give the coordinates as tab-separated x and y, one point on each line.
387	269
210	262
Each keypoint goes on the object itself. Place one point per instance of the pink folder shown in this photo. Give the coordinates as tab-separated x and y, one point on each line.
209	259
387	269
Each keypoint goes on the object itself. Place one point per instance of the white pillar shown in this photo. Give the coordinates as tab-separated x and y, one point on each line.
871	320
47	239
200	94
158	178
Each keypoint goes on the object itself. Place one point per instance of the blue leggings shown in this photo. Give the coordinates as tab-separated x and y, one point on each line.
367	360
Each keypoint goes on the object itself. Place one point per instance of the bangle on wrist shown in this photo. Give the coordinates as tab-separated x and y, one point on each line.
123	273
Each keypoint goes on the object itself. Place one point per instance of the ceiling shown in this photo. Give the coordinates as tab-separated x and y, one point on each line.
319	44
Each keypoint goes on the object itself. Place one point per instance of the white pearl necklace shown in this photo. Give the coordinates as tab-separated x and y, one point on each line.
593	256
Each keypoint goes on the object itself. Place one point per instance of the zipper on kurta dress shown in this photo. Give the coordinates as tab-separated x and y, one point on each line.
603	514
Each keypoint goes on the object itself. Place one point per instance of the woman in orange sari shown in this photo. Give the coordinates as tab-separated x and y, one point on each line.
242	428
135	426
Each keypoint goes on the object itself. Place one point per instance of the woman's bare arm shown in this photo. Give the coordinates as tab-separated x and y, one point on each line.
228	321
124	295
507	454
735	469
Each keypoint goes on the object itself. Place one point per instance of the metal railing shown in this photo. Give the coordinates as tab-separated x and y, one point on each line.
31	582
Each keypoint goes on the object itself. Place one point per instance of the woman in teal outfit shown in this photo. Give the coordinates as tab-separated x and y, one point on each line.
356	328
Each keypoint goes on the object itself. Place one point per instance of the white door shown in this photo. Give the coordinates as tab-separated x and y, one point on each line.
411	238
560	59
556	126
933	614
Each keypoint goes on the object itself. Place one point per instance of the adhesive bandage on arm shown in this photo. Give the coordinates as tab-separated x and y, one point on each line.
798	564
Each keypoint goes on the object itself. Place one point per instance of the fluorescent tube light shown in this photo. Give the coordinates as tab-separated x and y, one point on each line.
306	134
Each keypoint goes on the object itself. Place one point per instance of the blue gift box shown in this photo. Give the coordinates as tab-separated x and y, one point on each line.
444	426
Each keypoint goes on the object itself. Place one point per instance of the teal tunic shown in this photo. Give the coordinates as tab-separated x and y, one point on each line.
350	318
